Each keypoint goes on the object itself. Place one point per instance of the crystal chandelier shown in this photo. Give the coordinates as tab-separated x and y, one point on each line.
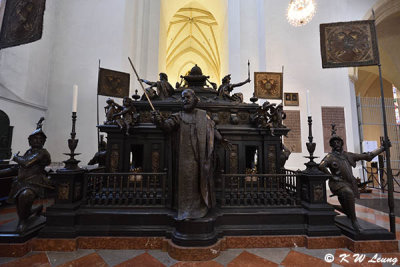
300	12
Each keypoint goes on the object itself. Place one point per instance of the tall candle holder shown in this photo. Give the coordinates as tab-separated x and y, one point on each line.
71	164
310	146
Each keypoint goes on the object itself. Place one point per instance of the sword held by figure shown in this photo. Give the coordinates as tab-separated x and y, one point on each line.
248	69
145	93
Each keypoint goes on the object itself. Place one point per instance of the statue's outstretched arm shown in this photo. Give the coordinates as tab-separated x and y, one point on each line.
167	125
240	84
152	84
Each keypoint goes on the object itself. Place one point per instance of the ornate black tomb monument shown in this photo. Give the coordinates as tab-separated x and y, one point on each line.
201	166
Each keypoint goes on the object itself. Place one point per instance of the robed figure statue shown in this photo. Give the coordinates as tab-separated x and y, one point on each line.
193	135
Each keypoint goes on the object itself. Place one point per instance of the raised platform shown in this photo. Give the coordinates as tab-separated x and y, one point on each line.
9	233
197	253
369	231
206	231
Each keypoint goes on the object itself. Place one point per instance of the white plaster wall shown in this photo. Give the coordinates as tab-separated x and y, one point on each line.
298	50
24	75
79	33
86	32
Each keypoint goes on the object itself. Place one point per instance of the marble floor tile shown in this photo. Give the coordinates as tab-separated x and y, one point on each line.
227	256
143	260
92	259
197	264
295	258
272	254
31	259
250	260
163	257
317	253
114	257
56	258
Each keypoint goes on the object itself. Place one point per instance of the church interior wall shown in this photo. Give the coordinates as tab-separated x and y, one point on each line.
78	34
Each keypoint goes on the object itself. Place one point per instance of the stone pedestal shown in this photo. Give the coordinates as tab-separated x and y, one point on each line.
69	194
320	215
369	231
195	232
9	233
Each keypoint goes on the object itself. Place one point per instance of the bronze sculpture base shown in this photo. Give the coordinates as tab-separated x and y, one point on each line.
368	231
9	232
195	232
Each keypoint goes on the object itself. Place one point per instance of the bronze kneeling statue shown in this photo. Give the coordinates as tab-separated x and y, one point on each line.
32	178
338	163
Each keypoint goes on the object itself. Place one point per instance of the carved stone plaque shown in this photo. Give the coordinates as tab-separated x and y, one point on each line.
63	191
114	158
293	139
233	160
333	115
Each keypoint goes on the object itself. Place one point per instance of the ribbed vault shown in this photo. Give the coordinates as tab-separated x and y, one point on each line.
192	39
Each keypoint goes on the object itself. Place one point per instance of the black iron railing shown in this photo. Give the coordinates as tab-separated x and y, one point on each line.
377	178
151	189
260	189
133	189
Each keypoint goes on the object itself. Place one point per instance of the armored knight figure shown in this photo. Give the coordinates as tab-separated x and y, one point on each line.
164	88
110	110
277	116
225	89
128	116
338	163
32	178
193	134
100	156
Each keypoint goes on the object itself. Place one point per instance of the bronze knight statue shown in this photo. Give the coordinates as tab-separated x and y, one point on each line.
164	88
32	178
225	89
338	163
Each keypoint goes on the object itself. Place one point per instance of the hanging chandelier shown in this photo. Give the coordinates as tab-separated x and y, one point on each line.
300	12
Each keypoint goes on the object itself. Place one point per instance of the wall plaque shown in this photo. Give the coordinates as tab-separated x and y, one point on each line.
333	115
291	99
293	139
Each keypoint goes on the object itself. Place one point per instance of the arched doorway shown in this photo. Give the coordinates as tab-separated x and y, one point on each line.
367	86
5	136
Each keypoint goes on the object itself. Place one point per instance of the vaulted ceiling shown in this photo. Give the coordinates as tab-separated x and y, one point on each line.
192	38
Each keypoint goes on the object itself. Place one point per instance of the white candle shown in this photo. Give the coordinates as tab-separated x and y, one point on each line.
74	98
308	103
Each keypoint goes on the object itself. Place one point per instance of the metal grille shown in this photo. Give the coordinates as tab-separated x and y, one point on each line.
134	189
371	125
260	189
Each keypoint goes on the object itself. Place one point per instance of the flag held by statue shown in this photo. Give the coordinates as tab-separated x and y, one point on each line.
113	83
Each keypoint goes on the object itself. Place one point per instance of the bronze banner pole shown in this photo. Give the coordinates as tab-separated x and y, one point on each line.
98	121
387	149
145	93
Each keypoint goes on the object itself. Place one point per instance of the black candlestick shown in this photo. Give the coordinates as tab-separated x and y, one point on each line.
72	164
310	146
254	99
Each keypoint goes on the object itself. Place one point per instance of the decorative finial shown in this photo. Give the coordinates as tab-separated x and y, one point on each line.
39	124
333	130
